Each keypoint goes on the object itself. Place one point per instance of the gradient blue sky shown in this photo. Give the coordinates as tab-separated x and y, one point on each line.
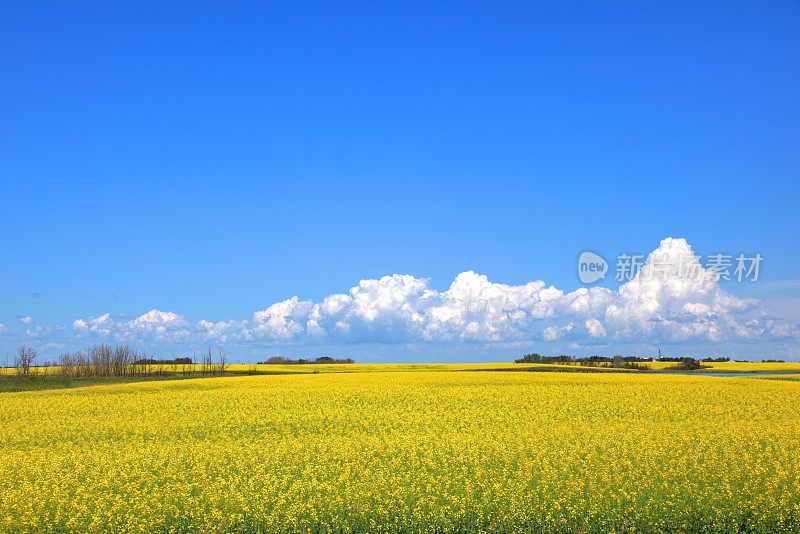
211	161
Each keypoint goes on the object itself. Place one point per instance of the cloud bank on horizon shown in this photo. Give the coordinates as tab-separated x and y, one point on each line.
656	305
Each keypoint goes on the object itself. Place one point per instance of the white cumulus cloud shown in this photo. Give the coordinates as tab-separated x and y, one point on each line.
102	325
672	298
282	320
155	324
224	331
595	328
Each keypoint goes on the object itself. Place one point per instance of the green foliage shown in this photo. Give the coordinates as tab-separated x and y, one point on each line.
280	360
687	364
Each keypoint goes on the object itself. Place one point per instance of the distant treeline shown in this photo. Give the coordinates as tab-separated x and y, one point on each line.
587	360
600	360
121	360
151	361
624	362
619	362
280	360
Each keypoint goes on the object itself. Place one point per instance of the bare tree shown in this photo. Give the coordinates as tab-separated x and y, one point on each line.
208	363
68	365
101	359
24	360
187	368
222	354
123	358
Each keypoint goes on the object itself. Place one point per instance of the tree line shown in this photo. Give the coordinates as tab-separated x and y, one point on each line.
633	362
617	361
280	360
105	360
602	360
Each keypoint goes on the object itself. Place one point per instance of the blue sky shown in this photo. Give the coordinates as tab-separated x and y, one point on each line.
210	162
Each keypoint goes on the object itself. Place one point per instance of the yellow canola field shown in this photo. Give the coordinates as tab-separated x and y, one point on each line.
782	367
318	368
382	451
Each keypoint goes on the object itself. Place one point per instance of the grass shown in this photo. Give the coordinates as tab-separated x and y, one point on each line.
11	384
